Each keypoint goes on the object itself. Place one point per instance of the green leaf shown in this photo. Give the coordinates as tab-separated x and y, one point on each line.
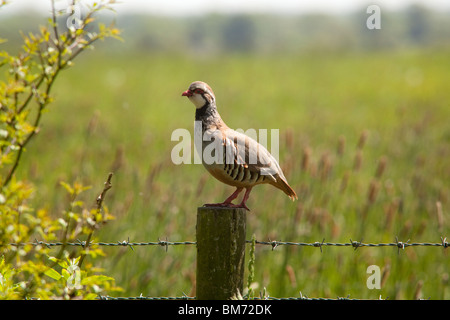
90	296
67	187
65	274
52	273
96	279
62	263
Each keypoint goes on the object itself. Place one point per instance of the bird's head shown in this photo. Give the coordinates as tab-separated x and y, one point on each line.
200	94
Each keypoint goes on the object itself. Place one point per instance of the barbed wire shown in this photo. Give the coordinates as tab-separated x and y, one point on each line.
141	297
357	244
185	297
273	243
124	243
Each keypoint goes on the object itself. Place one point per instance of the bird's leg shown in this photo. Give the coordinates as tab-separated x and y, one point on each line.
233	196
244	200
227	202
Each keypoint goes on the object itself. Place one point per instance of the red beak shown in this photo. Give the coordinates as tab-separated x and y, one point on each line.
187	93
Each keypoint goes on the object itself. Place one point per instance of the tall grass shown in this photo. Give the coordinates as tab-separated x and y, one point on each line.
364	140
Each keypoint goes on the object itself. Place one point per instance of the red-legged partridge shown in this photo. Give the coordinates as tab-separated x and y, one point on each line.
232	157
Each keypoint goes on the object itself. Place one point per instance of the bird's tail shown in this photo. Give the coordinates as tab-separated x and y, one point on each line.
286	188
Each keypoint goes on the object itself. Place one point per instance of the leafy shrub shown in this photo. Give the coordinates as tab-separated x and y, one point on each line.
33	269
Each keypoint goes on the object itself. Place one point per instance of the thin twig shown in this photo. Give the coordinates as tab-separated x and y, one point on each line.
56	40
101	196
99	202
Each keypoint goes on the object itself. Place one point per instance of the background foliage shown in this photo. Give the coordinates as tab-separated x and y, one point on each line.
364	140
28	270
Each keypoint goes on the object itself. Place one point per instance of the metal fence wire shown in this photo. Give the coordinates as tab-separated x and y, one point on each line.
273	243
185	297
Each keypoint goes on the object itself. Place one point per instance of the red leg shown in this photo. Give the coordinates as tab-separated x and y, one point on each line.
227	202
233	196
244	200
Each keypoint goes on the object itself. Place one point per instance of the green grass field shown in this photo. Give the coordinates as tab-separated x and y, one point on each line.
364	140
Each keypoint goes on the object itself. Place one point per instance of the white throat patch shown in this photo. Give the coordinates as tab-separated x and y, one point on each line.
198	100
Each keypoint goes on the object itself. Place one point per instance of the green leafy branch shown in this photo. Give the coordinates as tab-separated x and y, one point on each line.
31	76
34	271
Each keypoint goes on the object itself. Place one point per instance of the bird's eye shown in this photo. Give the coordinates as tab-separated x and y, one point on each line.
199	91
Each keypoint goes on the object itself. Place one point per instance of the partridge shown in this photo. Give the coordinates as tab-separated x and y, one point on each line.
233	158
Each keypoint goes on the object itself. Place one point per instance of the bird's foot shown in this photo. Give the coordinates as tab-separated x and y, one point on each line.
243	205
227	205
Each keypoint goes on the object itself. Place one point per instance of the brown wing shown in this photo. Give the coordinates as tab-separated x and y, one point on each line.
246	160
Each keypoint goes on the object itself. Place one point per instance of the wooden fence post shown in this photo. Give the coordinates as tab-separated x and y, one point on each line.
220	252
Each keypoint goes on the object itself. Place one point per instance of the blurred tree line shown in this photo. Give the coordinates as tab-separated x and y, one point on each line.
415	26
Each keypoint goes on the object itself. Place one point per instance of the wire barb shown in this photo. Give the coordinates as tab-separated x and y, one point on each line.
125	243
444	242
401	245
164	243
319	244
356	244
274	244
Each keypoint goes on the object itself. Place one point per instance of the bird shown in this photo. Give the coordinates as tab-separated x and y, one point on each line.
236	159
